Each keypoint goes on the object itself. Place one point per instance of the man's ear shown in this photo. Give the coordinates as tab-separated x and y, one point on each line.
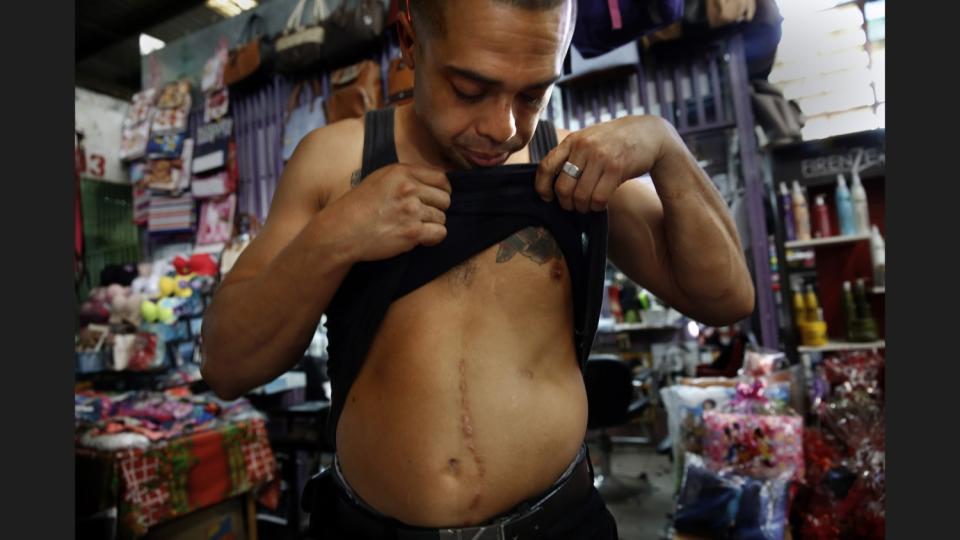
409	44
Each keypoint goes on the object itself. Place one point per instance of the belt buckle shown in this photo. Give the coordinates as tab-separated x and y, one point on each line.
488	532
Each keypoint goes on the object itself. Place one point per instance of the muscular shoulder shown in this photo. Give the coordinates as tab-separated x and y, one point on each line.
324	160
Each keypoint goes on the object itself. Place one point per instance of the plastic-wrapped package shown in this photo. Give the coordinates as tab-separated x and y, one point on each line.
845	493
684	405
718	505
748	437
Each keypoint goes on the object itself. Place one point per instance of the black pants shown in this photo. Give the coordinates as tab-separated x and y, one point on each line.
590	521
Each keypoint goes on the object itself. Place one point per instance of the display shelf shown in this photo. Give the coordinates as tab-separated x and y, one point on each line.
635	327
843	346
798	244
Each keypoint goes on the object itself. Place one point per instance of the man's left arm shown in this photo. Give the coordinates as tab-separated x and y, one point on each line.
679	241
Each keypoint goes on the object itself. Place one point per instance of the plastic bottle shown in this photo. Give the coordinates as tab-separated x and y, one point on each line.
821	218
801	215
811	304
844	207
815	332
786	205
850	312
799	310
879	256
861	213
867	326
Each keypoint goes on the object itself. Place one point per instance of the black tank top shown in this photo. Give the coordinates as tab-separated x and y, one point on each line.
487	206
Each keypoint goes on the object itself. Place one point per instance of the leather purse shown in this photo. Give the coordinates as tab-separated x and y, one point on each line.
300	48
248	62
354	91
353	32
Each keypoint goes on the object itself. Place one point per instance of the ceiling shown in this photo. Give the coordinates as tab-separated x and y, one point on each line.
108	37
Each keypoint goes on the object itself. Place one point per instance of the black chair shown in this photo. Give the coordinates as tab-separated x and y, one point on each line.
612	401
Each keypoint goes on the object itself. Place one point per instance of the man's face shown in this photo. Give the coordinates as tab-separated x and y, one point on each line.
482	82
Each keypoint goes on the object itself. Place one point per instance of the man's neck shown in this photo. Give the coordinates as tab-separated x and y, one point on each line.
415	143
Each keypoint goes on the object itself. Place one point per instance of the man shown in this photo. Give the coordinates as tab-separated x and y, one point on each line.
468	415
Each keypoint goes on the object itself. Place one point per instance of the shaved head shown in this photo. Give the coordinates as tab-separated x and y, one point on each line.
428	15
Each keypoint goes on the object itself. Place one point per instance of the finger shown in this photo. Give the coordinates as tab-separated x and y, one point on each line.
609	182
432	234
565	184
434	197
429	214
549	166
431	177
585	186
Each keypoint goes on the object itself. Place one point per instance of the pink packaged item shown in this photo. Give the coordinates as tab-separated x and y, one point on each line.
747	438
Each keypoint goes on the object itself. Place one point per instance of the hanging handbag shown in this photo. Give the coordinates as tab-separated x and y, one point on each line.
300	48
302	115
249	61
605	25
354	91
724	12
399	82
353	32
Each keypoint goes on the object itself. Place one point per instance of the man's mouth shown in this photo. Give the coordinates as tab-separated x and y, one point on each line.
481	159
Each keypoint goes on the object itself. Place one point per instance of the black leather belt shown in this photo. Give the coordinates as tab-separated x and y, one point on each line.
524	524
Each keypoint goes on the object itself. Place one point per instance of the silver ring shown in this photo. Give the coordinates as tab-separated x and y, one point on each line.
572	170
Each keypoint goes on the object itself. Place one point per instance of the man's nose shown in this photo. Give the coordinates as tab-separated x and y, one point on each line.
498	123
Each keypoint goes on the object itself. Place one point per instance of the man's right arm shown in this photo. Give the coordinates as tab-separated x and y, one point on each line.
267	309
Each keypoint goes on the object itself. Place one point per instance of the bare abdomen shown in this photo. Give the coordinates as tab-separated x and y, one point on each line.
470	400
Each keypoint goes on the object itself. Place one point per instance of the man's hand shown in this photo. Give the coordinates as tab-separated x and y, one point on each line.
607	154
392	211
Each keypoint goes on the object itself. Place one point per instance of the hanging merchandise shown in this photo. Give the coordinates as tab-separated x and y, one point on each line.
136	125
169	120
170	214
781	119
252	58
304	113
878	254
821	216
216	105
786	205
399	82
186	165
858	196
133	142
141	205
844	207
210	151
141	108
212	79
248	226
162	174
801	215
165	145
175	95
220	183
353	32
216	220
354	91
300	47
603	26
724	12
